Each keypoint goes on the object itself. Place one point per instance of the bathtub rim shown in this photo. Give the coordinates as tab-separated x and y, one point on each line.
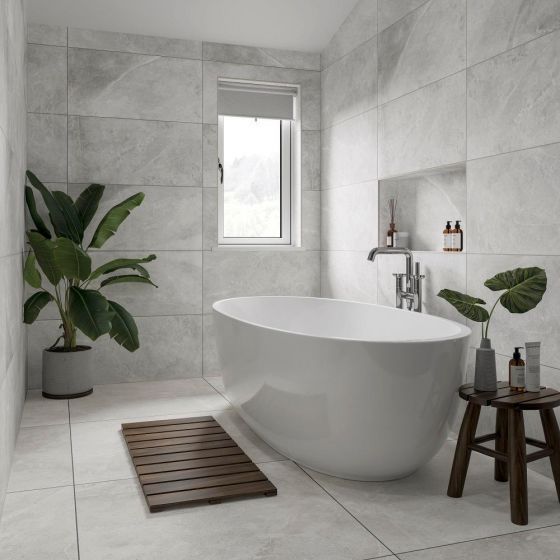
465	331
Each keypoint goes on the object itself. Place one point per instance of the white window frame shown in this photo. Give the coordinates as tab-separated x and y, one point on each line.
287	146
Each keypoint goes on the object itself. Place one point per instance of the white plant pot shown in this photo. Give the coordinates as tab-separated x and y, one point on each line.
67	375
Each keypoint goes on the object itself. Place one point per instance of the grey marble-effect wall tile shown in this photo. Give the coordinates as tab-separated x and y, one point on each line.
169	218
170	348
426	45
209	155
52	514
423	129
508	330
348	275
357	28
178	275
524	186
209	218
494	26
424	204
136	86
391	11
513	100
128	42
240	54
349	86
134	152
46	146
232	273
349	217
44	34
311	220
442	270
349	151
309	82
211	358
46	79
310	160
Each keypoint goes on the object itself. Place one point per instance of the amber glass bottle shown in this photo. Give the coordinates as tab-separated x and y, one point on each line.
457	237
517	371
447	237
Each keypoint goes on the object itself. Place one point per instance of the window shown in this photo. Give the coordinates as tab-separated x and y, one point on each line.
255	148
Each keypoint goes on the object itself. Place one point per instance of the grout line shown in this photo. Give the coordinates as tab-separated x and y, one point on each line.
74	483
346	54
38	489
401	18
342	121
342	506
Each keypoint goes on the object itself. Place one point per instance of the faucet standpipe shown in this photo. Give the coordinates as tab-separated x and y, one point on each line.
411	294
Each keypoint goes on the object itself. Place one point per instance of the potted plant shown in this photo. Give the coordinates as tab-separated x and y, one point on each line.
523	289
66	278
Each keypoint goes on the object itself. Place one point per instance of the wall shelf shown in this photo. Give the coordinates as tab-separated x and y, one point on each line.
426	200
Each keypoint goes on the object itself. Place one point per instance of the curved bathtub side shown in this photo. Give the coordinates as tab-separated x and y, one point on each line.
359	410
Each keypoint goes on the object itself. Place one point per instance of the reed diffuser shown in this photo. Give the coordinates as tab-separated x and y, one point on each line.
392	229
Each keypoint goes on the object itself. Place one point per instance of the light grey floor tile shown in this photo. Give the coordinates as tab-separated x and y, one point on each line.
539	544
148	398
42	458
100	453
301	522
39	525
415	512
39	411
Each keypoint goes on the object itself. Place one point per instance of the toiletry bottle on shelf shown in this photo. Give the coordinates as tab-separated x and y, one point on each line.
457	237
517	371
392	229
533	368
447	237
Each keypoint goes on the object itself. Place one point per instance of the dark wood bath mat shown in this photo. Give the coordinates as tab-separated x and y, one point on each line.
191	460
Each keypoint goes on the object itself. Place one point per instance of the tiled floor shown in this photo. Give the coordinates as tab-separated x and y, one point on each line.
73	494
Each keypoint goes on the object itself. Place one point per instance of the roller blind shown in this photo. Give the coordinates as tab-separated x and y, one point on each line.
237	99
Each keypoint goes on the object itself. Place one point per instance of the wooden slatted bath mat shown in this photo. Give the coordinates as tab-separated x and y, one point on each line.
191	460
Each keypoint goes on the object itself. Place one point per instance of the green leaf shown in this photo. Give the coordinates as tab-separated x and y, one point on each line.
467	305
525	288
73	222
118	264
73	262
32	207
113	219
126	278
32	307
44	253
123	328
56	213
88	202
89	311
30	273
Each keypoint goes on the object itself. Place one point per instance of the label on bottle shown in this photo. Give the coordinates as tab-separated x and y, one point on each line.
389	241
455	241
447	241
533	381
517	376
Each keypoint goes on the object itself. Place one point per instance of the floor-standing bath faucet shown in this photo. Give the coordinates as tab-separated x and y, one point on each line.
411	293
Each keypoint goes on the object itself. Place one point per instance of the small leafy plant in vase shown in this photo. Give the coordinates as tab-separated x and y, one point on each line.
523	289
66	278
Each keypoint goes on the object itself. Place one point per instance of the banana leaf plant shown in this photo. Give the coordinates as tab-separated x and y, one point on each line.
523	289
65	275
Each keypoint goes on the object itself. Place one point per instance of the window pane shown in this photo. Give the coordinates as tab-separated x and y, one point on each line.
252	199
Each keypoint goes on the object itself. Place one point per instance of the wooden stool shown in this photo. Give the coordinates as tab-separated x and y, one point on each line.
510	453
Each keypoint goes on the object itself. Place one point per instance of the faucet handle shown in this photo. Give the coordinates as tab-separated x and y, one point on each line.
417	271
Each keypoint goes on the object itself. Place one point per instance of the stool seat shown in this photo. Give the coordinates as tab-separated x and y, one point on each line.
510	452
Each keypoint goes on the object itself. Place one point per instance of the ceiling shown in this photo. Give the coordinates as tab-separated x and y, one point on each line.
305	25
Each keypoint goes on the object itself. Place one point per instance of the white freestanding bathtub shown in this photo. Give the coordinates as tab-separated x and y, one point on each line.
354	390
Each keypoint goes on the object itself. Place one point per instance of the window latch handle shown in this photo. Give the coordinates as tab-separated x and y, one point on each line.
221	168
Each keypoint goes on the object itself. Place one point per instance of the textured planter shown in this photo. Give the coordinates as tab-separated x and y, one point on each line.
485	378
67	375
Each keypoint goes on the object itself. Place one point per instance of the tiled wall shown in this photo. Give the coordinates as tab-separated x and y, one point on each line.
139	113
471	82
12	170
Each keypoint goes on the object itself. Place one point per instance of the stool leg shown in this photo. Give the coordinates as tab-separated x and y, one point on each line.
552	438
517	464
462	452
500	467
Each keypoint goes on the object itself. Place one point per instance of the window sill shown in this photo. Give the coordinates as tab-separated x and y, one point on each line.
282	248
